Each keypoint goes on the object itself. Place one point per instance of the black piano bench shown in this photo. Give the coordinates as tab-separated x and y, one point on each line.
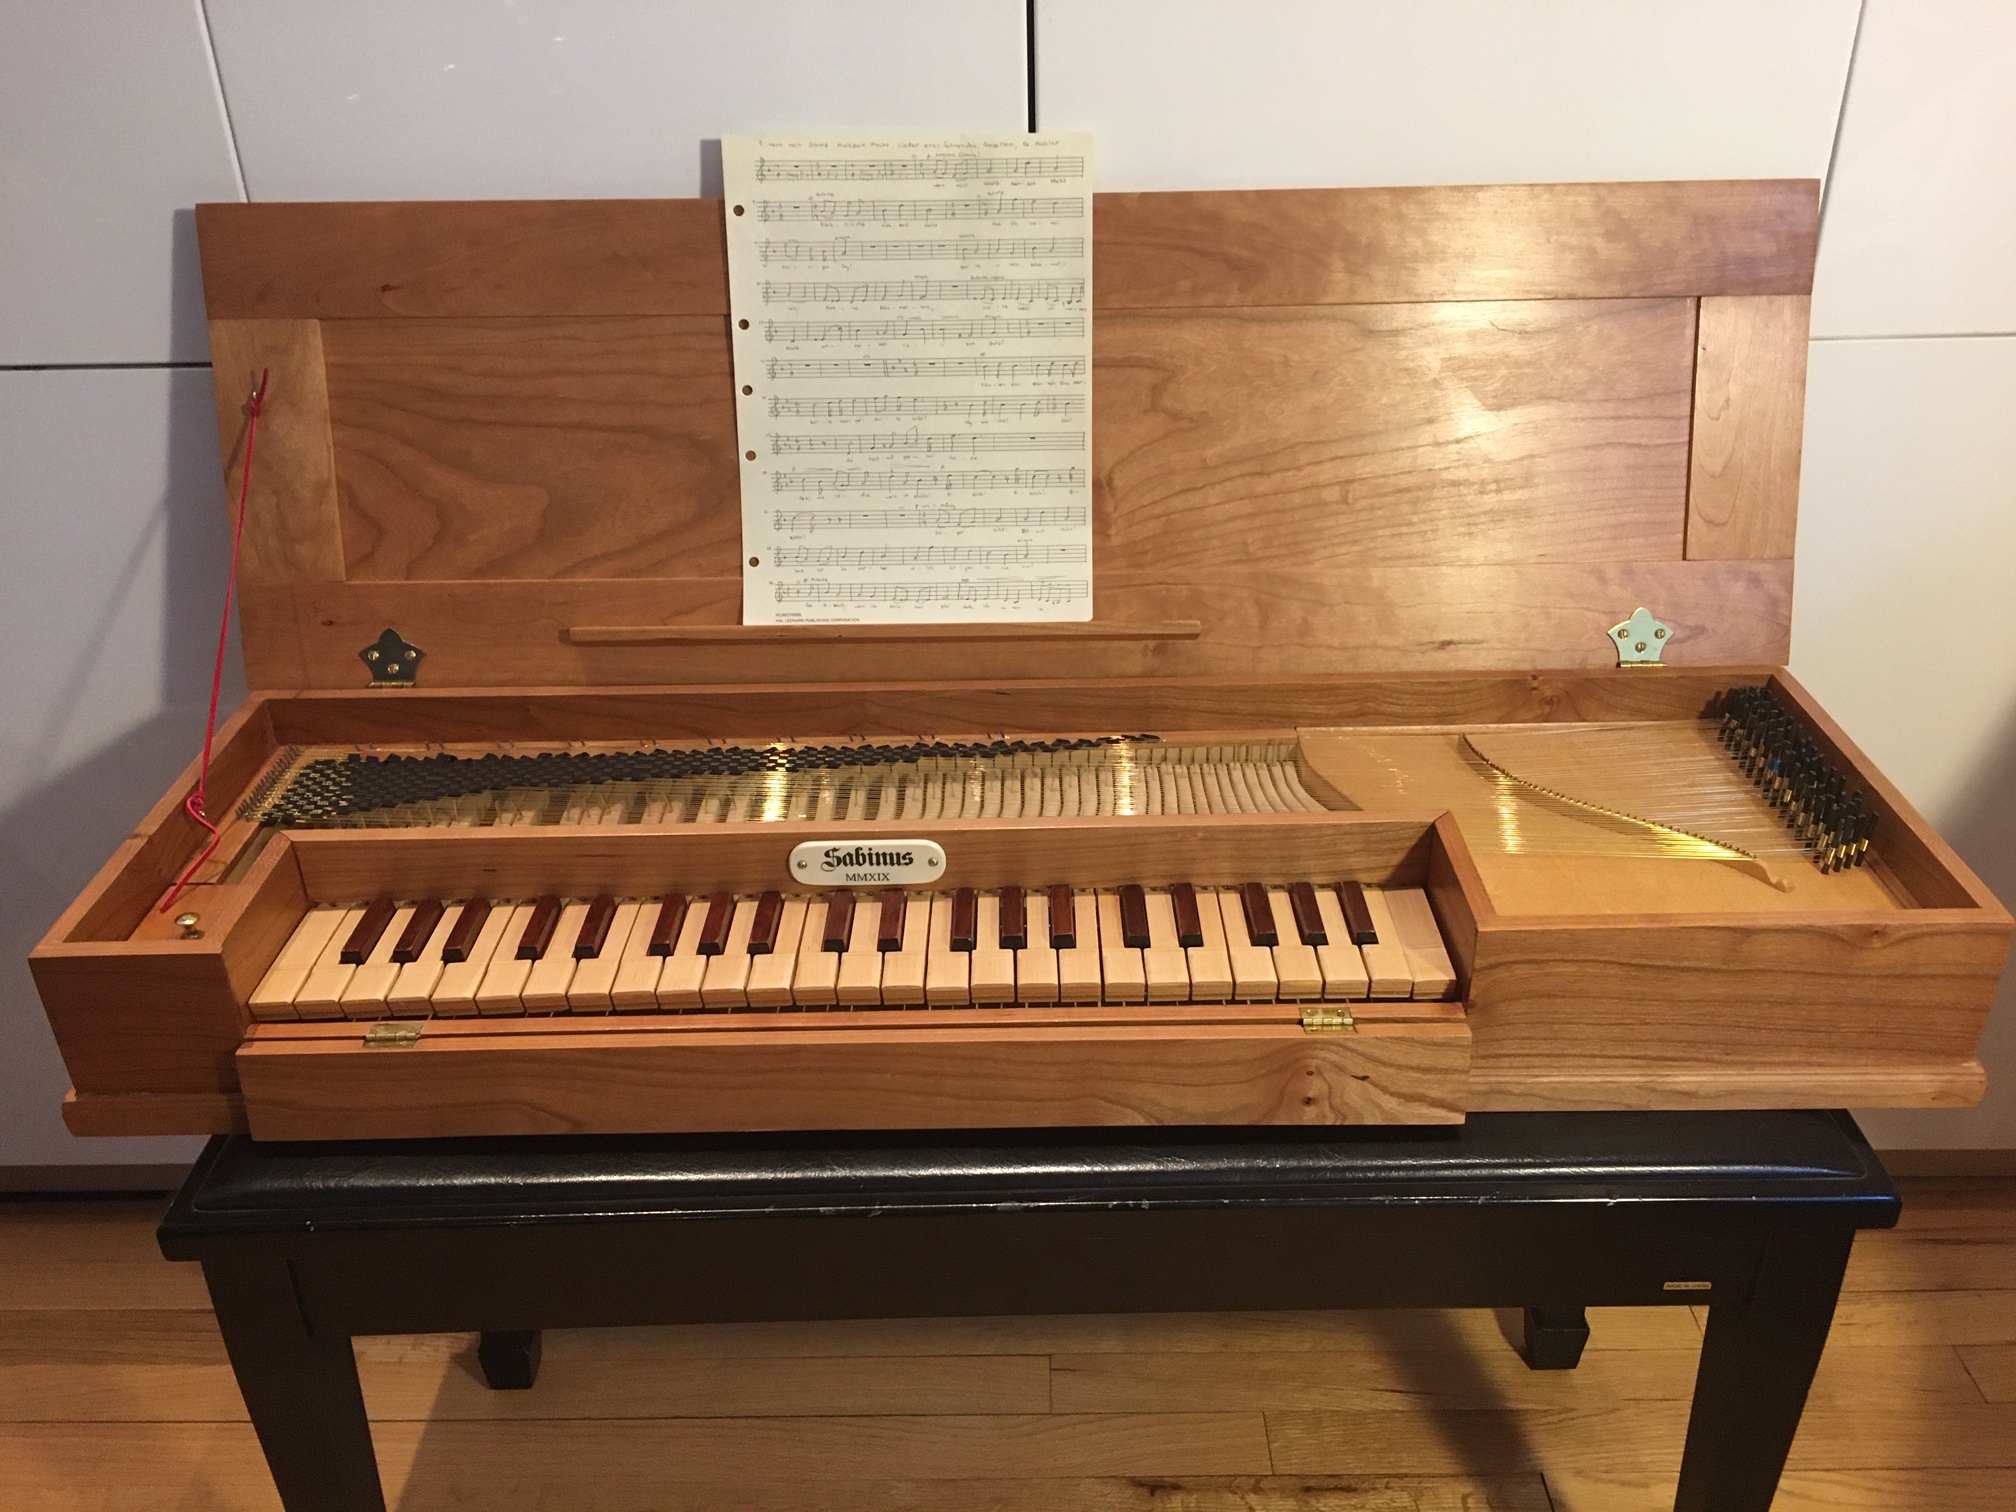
1751	1213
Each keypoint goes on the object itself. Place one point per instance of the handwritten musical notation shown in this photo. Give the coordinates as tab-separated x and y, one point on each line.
825	480
955	328
936	520
957	167
998	593
998	368
882	419
964	250
1021	554
928	407
872	212
951	444
1049	291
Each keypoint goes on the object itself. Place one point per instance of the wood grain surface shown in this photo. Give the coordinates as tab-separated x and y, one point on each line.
1150	251
1360	398
1294	619
448	259
555	1083
1510	241
344	865
1435	434
117	1113
291	529
901	709
478	450
1732	1011
1749	422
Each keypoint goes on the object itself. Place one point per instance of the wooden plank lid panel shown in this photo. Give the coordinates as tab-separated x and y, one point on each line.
1334	431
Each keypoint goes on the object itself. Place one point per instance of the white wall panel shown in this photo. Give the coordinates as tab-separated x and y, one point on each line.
1201	94
468	99
1906	570
110	129
110	585
1920	235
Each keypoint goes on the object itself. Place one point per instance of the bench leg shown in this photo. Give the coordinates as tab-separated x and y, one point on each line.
510	1361
1757	1361
300	1389
1555	1336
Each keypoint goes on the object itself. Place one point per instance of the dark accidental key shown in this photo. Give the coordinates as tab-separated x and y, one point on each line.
889	930
1133	917
839	923
1259	914
594	928
468	925
1014	920
769	914
965	920
665	933
1357	917
1189	923
376	916
1063	919
419	930
1308	919
539	929
714	933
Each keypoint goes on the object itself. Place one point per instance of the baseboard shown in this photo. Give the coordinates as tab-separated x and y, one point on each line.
93	1180
1925	1163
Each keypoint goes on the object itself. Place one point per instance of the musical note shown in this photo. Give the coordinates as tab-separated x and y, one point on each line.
1069	291
928	407
959	328
961	167
897	212
1021	554
786	369
964	249
1006	591
962	444
824	480
932	517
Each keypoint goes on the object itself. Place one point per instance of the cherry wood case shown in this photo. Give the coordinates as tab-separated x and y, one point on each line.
1362	458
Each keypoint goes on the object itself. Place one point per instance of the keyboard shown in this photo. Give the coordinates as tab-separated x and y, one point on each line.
726	952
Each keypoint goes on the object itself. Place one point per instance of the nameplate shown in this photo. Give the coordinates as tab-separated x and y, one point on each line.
865	863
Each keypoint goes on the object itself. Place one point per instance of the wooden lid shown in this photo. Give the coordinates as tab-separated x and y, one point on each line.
1363	430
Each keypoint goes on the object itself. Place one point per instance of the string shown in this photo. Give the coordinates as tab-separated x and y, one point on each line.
1719	850
196	805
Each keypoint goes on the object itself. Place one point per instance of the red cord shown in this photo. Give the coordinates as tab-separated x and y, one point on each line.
197	802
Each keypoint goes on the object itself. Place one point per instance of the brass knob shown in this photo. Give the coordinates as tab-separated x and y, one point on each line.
186	921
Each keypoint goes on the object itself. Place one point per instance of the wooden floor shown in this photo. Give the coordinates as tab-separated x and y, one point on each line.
115	1394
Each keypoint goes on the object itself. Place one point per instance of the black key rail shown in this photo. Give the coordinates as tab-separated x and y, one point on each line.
1752	1213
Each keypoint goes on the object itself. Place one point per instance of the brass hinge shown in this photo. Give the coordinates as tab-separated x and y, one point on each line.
1640	639
393	661
391	1036
1324	1019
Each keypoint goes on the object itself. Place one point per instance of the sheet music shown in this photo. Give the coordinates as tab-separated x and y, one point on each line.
913	371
